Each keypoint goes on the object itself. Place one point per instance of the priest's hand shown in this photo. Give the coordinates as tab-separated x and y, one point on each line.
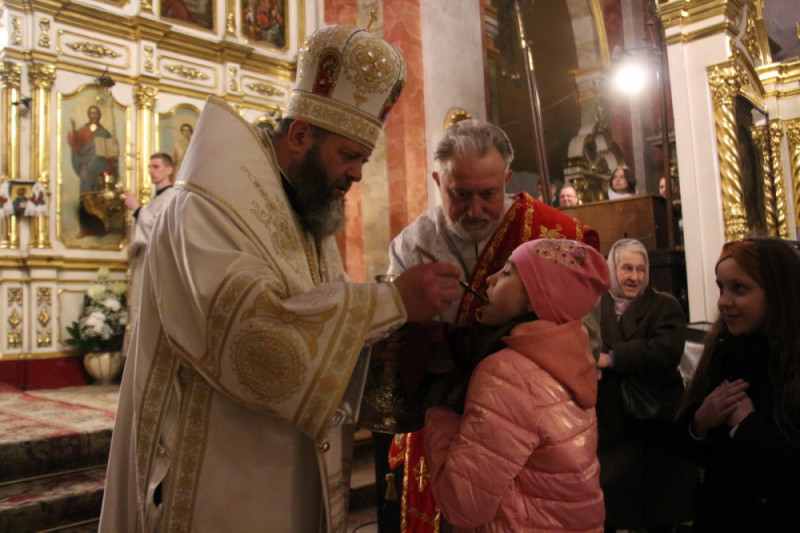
131	202
428	289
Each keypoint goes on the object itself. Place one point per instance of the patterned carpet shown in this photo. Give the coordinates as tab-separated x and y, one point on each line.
41	435
103	397
53	451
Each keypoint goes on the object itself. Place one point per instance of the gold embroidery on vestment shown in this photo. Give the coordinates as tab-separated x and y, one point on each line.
152	408
344	345
192	440
552	233
269	363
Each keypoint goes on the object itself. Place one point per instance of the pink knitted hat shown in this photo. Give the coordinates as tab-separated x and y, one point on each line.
563	278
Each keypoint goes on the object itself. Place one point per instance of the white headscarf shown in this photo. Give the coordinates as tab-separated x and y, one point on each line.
621	302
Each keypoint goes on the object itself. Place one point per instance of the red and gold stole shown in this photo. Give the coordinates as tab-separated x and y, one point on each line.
526	219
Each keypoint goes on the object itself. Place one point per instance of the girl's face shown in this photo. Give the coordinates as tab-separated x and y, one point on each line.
507	297
618	181
742	302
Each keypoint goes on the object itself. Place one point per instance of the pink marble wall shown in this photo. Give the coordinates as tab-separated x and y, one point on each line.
341	11
405	127
404	138
351	240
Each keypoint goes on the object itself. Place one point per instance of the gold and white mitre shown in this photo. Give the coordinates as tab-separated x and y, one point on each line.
347	82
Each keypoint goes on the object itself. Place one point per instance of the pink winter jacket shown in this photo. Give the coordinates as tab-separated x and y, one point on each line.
523	456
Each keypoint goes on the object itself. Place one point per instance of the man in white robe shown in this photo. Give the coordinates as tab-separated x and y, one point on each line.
161	170
238	400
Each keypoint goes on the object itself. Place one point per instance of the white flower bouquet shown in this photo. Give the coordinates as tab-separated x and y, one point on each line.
101	325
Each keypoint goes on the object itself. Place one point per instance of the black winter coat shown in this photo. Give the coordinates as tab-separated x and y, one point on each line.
752	481
645	481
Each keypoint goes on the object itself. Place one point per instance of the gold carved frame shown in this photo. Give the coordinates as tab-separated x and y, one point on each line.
728	81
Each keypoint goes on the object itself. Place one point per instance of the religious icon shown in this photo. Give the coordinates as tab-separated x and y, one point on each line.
20	194
198	12
92	128
264	21
22	198
175	130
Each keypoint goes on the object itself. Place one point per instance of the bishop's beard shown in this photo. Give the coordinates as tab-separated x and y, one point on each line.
321	213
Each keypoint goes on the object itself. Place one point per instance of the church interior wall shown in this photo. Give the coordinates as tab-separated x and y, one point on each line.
454	72
163	68
145	67
719	57
699	167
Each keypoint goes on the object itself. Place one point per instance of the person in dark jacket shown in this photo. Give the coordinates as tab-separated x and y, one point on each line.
646	483
741	417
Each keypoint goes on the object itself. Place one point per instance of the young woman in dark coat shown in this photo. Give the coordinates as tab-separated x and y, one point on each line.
741	418
646	482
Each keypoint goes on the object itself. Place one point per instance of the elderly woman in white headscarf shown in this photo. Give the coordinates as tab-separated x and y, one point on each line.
645	482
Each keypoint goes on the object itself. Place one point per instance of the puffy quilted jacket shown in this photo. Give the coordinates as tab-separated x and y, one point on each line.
523	457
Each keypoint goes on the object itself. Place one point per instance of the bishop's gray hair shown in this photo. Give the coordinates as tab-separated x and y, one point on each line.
473	138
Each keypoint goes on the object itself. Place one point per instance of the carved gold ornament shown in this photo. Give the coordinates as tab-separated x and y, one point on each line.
44	336
44	317
750	38
93	49
16	32
43	296
188	73
265	89
793	135
14	334
41	76
11	75
145	97
44	339
232	85
44	27
14	296
148	59
230	21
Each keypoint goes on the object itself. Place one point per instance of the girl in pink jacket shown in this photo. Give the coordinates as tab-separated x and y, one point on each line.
522	457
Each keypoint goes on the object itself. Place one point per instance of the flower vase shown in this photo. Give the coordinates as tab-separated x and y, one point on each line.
103	367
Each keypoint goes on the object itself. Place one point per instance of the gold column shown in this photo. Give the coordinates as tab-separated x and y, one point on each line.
10	76
775	137
793	134
725	83
41	79
145	99
759	136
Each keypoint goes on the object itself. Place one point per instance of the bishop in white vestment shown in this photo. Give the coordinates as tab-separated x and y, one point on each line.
237	403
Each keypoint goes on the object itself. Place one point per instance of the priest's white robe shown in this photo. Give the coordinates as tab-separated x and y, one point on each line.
142	230
236	404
